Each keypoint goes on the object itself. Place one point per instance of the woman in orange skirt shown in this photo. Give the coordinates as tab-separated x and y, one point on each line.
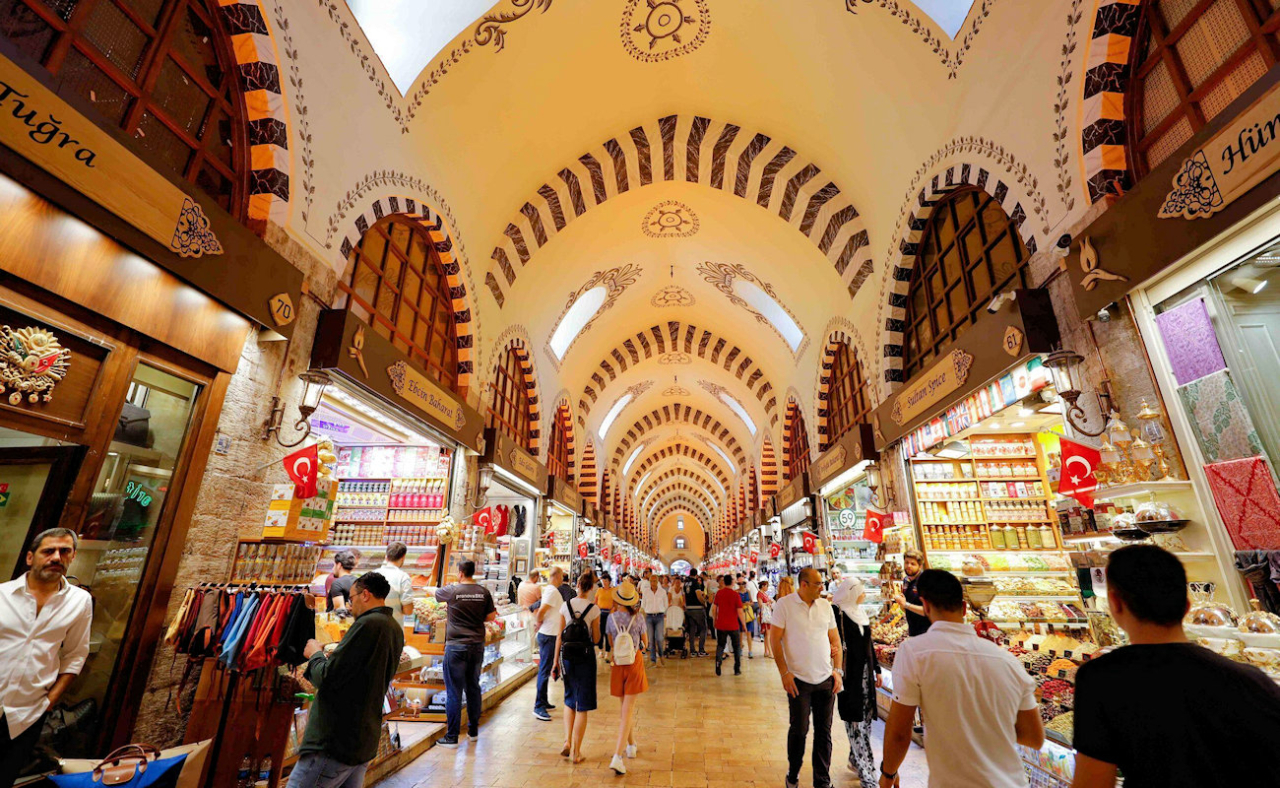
627	679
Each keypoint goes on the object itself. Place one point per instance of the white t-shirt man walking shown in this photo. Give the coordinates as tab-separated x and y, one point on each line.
978	702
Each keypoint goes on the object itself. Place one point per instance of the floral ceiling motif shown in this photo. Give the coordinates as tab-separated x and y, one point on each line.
672	295
721	276
658	30
670	219
675	358
676	391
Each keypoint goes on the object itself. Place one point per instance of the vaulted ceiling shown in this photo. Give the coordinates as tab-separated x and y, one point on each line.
726	180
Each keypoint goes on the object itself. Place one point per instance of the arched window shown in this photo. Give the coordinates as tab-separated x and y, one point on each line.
798	459
399	287
509	402
558	463
680	543
161	71
847	400
1195	58
970	252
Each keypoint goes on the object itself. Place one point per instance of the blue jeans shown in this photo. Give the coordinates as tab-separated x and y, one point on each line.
656	625
315	770
462	664
546	658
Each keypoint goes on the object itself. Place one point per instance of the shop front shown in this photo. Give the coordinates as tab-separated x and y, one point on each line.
772	565
517	484
125	305
564	512
798	517
847	482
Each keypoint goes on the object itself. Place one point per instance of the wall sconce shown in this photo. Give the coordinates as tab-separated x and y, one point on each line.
874	480
481	496
313	386
1065	366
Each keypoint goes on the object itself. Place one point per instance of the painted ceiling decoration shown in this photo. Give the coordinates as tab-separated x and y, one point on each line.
722	394
944	14
672	296
680	473
676	391
696	486
684	488
746	290
694	149
678	414
675	336
674	359
683	449
605	286
670	504
670	219
657	30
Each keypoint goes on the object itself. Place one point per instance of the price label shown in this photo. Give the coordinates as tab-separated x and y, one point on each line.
847	518
282	310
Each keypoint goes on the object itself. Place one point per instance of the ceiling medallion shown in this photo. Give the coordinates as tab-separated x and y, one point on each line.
676	391
675	358
658	30
670	219
672	295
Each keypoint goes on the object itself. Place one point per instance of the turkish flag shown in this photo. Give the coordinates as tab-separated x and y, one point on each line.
877	521
775	550
604	553
617	559
303	467
484	519
810	543
582	550
1079	479
755	557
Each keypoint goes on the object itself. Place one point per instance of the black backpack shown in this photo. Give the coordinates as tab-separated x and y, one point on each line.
575	640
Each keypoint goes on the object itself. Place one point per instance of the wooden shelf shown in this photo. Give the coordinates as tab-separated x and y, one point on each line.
1138	489
1008	479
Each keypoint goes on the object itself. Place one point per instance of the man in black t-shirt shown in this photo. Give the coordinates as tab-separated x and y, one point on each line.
470	605
695	614
338	595
909	599
1165	712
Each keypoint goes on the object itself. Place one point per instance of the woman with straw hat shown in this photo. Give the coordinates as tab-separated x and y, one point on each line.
627	680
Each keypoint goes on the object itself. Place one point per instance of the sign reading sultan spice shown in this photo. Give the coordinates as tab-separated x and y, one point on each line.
39	125
944	377
1236	159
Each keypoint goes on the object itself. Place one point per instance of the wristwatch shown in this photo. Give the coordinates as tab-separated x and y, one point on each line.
840	671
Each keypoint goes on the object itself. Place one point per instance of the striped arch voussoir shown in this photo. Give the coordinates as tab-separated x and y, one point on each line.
520	348
258	62
715	500
678	414
1106	82
690	149
677	337
847	335
954	177
768	469
441	238
683	450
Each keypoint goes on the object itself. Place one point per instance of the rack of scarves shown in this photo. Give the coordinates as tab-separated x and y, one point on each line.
244	628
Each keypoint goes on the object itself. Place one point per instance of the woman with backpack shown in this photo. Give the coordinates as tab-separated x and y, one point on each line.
628	679
576	661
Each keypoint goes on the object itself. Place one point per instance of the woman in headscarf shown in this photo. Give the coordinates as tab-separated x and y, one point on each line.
857	701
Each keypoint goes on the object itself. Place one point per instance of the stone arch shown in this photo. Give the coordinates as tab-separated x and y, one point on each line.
679	475
668	468
839	332
768	469
693	490
794	410
560	416
692	149
677	507
955	176
1104	139
677	337
678	414
516	339
683	450
253	45
674	498
588	481
442	239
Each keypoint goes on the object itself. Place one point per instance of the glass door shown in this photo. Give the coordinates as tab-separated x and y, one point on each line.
35	479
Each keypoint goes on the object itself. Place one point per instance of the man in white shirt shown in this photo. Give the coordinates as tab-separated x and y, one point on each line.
44	639
400	600
977	700
806	649
654	602
753	599
548	627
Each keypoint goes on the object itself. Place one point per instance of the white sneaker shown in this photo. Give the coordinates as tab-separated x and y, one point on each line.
617	765
631	751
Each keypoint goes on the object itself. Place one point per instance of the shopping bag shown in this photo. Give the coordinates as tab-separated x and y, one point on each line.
179	767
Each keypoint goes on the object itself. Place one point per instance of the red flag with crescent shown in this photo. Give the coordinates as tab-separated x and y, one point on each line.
1079	465
582	550
484	519
877	521
810	542
303	467
755	556
775	550
617	559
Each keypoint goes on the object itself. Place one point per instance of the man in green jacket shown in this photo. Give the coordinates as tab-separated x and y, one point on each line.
351	683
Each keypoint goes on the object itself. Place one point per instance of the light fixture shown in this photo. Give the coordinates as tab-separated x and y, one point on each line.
1248	283
874	481
314	383
481	495
1065	366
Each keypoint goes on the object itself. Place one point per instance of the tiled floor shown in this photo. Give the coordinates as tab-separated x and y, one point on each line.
694	731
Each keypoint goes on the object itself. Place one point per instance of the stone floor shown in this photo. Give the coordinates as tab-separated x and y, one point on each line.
694	731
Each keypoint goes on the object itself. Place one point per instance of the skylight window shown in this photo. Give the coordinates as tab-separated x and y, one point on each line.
737	408
720	451
571	324
763	303
949	14
613	413
626	468
408	34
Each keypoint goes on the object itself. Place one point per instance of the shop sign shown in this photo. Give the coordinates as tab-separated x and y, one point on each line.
854	446
563	493
412	385
972	365
502	451
1222	174
933	386
789	495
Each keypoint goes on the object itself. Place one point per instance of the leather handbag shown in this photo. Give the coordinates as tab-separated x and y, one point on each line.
138	766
